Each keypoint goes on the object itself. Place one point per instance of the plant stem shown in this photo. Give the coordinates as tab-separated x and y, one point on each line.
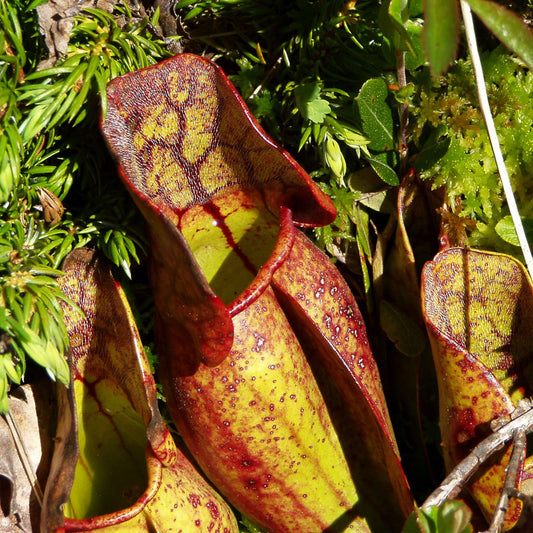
493	136
404	113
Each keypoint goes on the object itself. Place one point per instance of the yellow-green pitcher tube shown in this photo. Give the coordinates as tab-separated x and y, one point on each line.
265	360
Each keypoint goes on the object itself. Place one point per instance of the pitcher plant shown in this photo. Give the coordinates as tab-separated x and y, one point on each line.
115	465
265	360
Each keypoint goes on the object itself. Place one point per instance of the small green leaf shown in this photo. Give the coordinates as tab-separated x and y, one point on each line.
382	168
361	220
249	526
392	18
4	401
404	94
12	371
506	230
416	8
441	33
399	14
195	11
376	115
417	523
5	253
454	517
353	139
371	191
508	27
309	103
305	137
450	517
416	57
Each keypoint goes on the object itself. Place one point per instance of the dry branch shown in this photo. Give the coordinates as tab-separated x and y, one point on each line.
521	421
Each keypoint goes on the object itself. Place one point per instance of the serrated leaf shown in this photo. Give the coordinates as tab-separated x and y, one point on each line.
376	115
441	33
309	103
317	110
508	27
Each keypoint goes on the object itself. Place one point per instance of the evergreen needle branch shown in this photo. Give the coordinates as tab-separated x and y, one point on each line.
521	422
493	136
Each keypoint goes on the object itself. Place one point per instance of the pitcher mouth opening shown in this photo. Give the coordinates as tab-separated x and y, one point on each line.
154	468
237	242
263	278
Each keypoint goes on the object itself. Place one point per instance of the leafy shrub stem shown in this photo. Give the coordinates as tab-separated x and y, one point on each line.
493	135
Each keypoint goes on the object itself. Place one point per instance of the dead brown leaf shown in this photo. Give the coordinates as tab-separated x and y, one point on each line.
25	440
56	20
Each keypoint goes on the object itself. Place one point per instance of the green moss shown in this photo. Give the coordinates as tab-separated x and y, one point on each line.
449	106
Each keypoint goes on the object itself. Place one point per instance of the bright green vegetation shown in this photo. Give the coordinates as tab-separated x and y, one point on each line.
49	139
455	149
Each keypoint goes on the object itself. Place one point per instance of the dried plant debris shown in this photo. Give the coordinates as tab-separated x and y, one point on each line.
56	20
25	441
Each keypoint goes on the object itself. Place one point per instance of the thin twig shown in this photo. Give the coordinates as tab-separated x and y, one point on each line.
265	79
404	113
493	136
510	482
526	499
452	484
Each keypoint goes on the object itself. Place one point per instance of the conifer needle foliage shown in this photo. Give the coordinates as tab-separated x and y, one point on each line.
57	185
